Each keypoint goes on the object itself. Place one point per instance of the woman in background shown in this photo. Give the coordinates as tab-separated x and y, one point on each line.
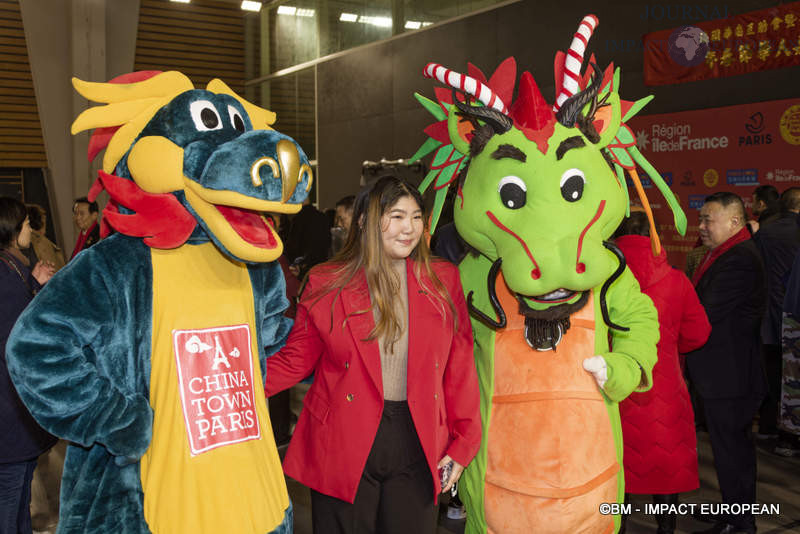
385	329
22	440
660	455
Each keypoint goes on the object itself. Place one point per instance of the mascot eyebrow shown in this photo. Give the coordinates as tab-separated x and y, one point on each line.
509	151
567	144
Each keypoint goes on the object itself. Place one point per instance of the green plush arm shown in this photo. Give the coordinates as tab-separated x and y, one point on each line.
633	353
73	366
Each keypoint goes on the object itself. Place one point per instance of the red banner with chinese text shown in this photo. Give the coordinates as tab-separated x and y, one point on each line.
734	148
758	40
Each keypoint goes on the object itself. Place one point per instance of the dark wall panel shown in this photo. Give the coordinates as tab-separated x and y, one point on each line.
379	81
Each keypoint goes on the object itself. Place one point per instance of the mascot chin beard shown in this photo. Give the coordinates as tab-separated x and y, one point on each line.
562	331
147	352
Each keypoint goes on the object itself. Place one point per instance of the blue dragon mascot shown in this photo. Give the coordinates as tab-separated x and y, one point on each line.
147	351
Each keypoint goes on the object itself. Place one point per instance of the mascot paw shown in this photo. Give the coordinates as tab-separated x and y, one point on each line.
597	366
131	439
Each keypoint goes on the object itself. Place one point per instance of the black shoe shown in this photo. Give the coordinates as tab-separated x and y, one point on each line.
706	518
726	528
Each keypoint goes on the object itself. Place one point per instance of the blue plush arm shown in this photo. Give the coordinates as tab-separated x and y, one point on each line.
269	289
77	374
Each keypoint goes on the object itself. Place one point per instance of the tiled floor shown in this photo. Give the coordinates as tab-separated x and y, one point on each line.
778	483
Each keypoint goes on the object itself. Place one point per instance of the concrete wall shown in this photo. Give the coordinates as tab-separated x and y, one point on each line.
365	99
92	40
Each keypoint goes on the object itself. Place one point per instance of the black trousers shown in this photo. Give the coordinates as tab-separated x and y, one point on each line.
730	429
395	495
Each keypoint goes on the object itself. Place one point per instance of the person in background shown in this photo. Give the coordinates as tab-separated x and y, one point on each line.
727	370
395	396
85	214
341	225
778	242
309	239
660	455
789	417
766	207
42	247
22	440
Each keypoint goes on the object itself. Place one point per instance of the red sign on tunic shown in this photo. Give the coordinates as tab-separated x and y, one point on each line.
215	376
750	42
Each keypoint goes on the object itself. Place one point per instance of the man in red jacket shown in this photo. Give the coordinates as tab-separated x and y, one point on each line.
727	370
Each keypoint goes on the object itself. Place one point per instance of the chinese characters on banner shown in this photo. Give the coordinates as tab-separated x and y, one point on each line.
755	41
700	152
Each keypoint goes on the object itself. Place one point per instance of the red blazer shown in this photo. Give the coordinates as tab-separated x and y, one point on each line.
343	408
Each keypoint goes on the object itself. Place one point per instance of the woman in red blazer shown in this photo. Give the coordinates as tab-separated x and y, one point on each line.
385	330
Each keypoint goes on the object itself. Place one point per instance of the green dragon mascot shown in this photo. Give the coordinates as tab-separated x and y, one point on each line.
562	331
147	351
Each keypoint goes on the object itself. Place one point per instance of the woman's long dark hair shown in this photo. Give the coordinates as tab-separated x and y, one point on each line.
12	217
364	250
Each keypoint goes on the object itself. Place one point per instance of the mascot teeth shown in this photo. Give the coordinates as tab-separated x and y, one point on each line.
558	294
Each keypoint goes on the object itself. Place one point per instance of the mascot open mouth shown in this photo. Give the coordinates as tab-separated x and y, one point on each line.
250	225
554	297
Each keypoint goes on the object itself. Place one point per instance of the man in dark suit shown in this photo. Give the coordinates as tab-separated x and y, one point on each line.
778	243
727	370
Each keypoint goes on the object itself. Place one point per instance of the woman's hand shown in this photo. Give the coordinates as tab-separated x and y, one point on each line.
43	271
455	474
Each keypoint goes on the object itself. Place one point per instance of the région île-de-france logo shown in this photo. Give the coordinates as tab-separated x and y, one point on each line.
790	125
688	46
215	376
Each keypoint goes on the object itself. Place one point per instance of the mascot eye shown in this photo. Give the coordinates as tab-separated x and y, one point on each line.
236	118
572	183
205	116
512	192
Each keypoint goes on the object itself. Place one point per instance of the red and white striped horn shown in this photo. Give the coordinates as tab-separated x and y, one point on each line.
466	84
574	59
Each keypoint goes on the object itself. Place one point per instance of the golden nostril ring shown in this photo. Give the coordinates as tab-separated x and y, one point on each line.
306	168
273	165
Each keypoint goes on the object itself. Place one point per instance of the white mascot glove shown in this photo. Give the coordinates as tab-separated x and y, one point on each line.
599	369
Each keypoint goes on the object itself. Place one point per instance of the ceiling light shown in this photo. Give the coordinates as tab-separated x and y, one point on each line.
250	5
303	12
381	22
426	24
413	25
181	1
287	10
348	17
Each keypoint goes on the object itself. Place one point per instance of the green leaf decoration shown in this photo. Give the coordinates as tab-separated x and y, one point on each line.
433	107
625	136
442	157
427	147
426	183
438	203
637	107
616	80
622	156
624	184
446	175
677	213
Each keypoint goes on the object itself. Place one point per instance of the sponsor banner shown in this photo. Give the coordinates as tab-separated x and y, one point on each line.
215	376
750	42
735	149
